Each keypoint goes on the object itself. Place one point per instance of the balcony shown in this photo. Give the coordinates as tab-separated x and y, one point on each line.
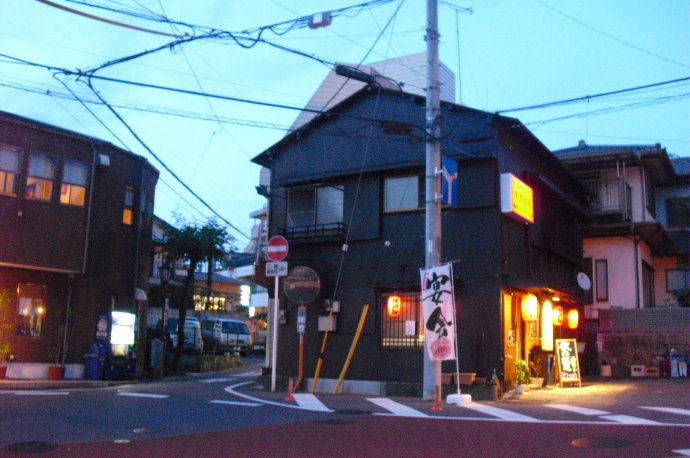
612	199
332	232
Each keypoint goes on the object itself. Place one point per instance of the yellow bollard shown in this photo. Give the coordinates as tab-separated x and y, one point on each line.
352	347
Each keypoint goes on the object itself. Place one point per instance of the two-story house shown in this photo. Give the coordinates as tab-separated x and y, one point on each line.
347	191
636	247
75	219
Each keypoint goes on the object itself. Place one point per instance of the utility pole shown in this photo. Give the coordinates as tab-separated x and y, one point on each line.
432	257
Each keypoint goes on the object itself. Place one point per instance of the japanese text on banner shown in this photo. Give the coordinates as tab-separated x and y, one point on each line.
438	306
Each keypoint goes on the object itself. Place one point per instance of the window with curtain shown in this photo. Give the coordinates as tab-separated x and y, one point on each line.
403	193
74	179
10	164
39	182
601	267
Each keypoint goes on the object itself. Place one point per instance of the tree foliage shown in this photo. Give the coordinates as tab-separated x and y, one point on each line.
193	243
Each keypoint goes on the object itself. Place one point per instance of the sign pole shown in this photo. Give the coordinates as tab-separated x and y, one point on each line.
274	335
432	248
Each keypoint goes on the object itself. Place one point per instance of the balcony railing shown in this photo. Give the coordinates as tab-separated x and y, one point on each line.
612	197
314	232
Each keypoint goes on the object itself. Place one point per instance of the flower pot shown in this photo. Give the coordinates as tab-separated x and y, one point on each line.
56	372
3	372
519	389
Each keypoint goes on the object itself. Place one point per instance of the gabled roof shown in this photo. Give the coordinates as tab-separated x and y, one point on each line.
14	118
591	157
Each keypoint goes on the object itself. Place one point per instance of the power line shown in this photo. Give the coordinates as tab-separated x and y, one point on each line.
589	97
108	21
608	35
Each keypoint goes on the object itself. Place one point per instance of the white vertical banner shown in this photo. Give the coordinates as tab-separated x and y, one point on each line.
438	308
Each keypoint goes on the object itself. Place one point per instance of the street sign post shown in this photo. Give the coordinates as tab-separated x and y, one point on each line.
276	251
277	248
276	269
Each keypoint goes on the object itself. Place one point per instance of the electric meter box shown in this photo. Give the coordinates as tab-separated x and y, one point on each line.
323	323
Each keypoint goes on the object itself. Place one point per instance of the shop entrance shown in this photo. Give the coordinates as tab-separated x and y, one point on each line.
511	338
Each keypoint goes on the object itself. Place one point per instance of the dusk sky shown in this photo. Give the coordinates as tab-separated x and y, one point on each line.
511	54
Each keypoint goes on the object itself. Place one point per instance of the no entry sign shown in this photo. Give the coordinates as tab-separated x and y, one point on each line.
277	248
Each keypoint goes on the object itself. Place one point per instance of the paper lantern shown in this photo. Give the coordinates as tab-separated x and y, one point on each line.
530	307
394	306
557	314
573	318
547	326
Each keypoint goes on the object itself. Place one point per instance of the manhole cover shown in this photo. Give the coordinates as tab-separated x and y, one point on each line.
31	447
337	422
352	412
602	442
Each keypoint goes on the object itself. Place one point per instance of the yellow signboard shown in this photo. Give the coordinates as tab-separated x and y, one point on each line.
516	198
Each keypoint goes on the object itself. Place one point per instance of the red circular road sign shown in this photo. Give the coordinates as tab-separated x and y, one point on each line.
277	248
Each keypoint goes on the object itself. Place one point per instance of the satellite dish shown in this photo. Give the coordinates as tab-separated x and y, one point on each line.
584	281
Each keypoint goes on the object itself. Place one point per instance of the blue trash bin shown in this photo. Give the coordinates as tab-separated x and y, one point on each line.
93	367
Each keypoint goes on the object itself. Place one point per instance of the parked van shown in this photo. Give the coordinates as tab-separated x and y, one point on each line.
226	334
193	340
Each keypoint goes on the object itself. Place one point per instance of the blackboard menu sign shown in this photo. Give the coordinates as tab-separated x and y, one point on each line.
568	364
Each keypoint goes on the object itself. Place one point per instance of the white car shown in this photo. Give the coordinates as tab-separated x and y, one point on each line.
226	334
192	334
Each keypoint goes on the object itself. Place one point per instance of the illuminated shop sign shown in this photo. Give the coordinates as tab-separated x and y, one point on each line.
516	198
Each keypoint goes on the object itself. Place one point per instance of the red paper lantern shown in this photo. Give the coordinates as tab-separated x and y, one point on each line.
530	307
394	306
573	318
557	314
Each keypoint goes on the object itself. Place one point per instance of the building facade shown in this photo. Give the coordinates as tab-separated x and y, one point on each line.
76	215
347	191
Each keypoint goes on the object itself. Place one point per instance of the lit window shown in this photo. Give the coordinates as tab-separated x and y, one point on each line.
402	326
74	177
39	182
203	302
127	210
403	193
10	158
31	309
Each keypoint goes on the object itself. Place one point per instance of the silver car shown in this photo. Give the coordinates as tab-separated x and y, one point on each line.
226	334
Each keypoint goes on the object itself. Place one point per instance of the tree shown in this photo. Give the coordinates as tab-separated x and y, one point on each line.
194	243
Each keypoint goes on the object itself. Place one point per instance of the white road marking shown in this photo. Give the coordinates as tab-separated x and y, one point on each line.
248	374
629	420
580	410
236	403
669	410
503	414
684	452
214	380
41	393
308	401
143	395
396	408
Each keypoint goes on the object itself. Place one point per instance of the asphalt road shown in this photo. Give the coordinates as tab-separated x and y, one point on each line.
227	413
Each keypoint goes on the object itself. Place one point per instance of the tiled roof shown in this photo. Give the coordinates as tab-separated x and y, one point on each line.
681	165
582	149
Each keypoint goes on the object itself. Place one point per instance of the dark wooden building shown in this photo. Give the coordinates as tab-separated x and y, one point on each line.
75	219
347	191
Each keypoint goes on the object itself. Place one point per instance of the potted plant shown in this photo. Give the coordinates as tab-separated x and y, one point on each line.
5	333
522	376
56	371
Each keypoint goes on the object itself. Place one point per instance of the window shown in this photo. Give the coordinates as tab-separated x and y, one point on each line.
315	206
601	267
647	285
403	193
129	201
39	183
402	326
677	280
31	309
678	212
10	159
201	302
74	177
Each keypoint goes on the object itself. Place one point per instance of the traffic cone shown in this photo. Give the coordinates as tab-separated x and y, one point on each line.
289	396
437	401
